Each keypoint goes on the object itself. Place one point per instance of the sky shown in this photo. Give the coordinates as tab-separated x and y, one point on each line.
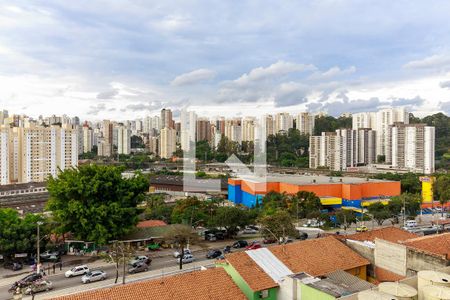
128	59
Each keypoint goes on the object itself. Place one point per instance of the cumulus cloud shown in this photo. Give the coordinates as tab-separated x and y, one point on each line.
193	77
445	84
445	106
332	72
291	93
108	94
416	101
142	107
432	62
95	109
279	68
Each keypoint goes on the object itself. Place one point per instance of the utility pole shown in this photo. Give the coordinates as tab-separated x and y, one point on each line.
404	212
39	223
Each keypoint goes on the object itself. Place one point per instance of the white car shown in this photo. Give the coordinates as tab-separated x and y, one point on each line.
176	254
39	286
92	276
77	271
250	231
188	258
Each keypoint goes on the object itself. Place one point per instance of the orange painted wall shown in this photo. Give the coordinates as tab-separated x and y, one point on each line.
375	189
233	181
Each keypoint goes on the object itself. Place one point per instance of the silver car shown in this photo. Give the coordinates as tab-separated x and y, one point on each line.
39	286
93	276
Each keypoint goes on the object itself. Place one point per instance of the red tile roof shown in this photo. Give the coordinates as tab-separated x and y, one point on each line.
252	274
151	223
438	244
383	275
318	257
198	285
391	234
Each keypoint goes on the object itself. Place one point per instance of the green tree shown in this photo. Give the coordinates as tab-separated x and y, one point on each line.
346	218
278	225
308	205
95	203
157	209
18	235
189	211
119	253
230	218
411	203
181	236
442	187
273	201
379	212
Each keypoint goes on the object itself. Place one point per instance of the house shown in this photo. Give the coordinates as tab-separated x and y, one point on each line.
364	244
209	284
151	223
431	252
261	273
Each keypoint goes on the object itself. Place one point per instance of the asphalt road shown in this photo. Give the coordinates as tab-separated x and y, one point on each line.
60	282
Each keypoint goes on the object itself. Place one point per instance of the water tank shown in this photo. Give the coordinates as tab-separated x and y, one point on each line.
425	278
400	290
375	295
436	292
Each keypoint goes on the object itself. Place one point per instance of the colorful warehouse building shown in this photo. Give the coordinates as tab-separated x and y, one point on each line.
334	192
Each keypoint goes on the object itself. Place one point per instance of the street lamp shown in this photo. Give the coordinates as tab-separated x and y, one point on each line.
39	223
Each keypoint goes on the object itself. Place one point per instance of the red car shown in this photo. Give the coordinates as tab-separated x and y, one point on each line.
253	246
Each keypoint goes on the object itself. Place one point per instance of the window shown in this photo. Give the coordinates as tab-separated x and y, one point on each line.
264	294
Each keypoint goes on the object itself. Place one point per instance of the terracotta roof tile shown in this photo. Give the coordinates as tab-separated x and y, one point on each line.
150	223
438	244
318	257
252	274
391	234
198	285
383	275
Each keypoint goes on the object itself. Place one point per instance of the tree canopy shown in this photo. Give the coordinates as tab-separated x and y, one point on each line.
95	203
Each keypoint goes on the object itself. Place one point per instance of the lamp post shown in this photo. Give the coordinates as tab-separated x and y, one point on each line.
39	223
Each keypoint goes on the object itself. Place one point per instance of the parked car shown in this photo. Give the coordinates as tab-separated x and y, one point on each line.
250	231
40	286
92	276
15	266
50	255
213	253
138	267
240	244
187	259
210	237
227	249
253	227
411	223
176	254
313	223
77	271
269	241
302	236
254	245
141	258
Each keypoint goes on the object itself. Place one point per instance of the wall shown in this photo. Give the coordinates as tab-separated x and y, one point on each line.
363	250
360	272
309	293
390	256
418	260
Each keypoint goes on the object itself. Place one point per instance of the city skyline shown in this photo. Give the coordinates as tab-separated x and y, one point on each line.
122	61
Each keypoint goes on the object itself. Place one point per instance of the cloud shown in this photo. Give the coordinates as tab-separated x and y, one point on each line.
108	94
445	84
291	93
332	72
416	101
96	109
193	77
445	106
279	68
143	106
432	62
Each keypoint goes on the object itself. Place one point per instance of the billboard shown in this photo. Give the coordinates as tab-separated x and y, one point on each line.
427	189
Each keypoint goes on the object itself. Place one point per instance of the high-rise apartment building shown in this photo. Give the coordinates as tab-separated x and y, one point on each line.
305	123
283	122
167	142
248	129
233	131
31	153
203	130
366	146
166	118
411	147
123	139
349	147
87	138
105	146
326	151
380	122
269	123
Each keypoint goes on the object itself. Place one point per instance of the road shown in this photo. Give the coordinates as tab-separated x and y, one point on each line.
61	283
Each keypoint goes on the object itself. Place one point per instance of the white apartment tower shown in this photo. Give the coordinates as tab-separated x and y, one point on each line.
305	123
327	151
248	129
123	139
411	147
87	138
283	122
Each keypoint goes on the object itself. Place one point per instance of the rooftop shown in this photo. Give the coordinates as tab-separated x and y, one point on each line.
312	179
383	275
198	285
150	223
438	244
341	283
391	234
304	256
